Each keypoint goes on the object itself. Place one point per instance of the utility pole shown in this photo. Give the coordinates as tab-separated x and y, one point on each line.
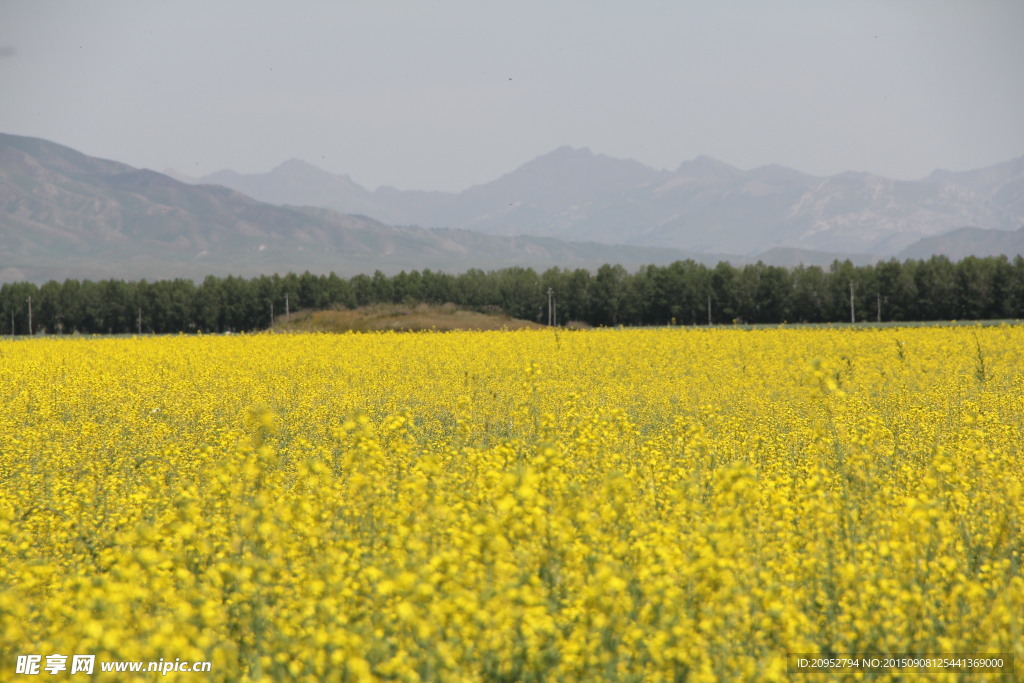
138	320
30	316
709	310
287	314
550	309
853	318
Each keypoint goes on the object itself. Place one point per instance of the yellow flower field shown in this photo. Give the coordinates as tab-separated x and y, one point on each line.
632	505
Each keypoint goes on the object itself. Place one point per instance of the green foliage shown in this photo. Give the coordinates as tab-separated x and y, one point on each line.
685	293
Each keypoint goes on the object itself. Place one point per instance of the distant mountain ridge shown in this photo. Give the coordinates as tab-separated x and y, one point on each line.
958	244
67	215
705	205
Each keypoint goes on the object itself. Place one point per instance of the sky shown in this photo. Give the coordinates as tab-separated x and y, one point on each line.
445	94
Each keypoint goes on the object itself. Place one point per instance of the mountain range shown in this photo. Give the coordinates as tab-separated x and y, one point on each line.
64	214
705	205
67	215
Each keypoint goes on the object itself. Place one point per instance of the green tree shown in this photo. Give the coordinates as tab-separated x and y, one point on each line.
607	302
936	284
808	295
723	298
519	293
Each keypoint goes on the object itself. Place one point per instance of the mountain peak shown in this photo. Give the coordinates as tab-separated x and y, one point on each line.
297	170
984	180
705	166
567	176
292	165
569	151
854	175
779	173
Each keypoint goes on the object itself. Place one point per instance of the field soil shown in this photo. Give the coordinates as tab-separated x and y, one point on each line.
382	317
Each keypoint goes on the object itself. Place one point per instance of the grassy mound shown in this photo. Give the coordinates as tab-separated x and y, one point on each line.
382	317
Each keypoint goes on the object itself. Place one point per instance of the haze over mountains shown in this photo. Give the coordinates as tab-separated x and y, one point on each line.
705	205
64	214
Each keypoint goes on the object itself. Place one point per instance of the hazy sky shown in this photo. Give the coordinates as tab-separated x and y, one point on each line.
446	94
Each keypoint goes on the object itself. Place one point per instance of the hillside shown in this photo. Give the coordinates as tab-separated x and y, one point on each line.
704	205
67	215
393	318
968	242
64	214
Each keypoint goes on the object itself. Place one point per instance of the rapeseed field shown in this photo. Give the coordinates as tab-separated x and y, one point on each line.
626	505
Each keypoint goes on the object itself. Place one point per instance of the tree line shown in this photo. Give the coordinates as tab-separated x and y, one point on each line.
683	293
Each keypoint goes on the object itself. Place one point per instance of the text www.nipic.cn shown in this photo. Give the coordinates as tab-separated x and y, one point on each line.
86	664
